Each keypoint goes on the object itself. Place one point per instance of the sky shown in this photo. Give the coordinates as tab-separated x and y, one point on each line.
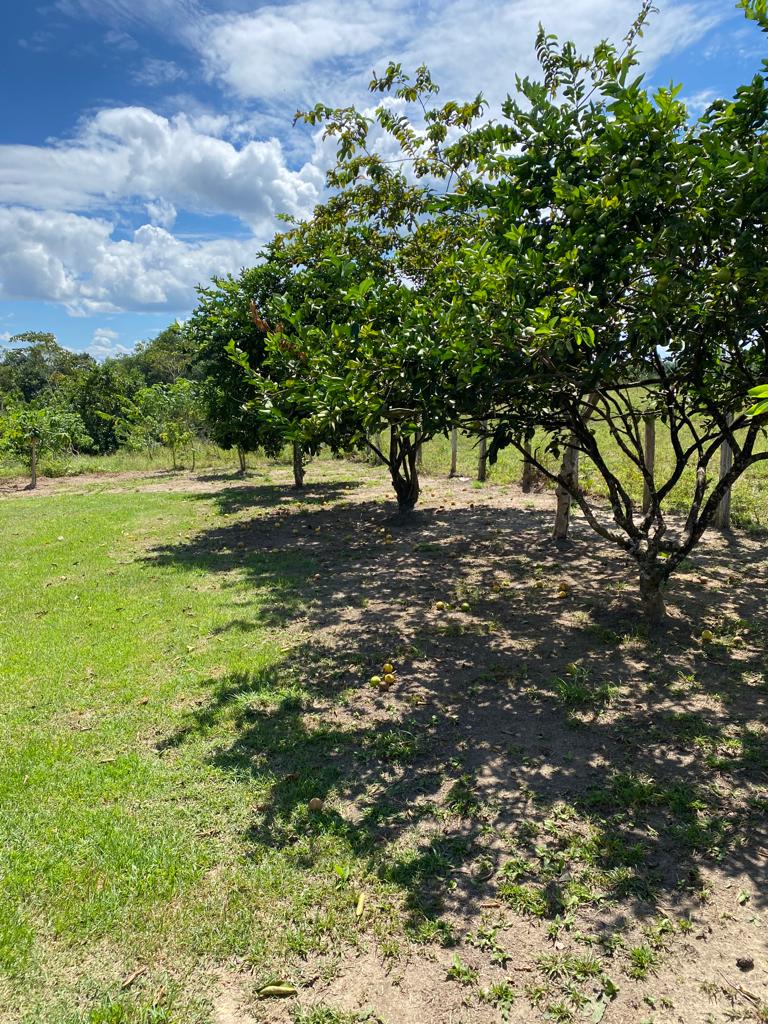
146	145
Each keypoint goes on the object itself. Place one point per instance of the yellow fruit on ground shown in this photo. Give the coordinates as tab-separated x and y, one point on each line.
389	678
389	667
707	635
440	606
316	804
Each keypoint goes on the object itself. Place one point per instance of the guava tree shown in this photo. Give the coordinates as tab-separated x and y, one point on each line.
619	271
355	348
228	313
28	433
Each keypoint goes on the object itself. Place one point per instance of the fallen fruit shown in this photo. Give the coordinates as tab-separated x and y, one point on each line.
276	992
375	680
465	606
707	635
389	667
389	678
440	606
316	804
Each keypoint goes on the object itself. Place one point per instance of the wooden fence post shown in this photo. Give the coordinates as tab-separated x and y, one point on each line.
454	451
649	457
723	513
526	481
482	459
569	471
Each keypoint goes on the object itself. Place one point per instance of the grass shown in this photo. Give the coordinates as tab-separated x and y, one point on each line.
118	850
169	713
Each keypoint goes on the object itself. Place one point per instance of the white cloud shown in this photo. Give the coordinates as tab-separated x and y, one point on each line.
104	345
76	261
155	72
127	152
5	335
309	49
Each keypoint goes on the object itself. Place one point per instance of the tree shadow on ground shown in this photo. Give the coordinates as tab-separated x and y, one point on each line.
547	752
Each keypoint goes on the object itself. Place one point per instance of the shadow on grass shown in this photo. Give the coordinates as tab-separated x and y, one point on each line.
547	752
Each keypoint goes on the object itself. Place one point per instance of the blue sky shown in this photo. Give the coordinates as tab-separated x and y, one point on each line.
147	144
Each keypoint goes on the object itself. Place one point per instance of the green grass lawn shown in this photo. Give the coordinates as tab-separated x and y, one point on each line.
116	849
183	670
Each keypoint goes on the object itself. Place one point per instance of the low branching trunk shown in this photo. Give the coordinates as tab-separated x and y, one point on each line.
403	456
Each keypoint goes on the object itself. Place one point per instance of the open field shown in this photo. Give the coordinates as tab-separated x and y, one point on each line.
551	815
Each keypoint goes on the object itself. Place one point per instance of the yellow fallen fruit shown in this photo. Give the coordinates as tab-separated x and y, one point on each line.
440	606
276	992
389	678
707	635
389	667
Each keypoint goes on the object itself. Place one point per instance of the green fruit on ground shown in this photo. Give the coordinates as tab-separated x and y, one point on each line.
375	680
465	606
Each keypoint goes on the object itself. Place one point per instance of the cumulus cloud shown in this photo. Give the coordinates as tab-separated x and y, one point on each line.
105	345
127	152
76	261
309	48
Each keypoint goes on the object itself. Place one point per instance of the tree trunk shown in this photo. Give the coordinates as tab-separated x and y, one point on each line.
298	465
652	595
33	467
241	459
649	457
722	519
404	472
419	456
454	451
569	473
526	481
482	459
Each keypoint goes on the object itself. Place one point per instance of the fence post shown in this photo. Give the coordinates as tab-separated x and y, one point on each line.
482	458
569	471
649	457
526	482
723	513
454	451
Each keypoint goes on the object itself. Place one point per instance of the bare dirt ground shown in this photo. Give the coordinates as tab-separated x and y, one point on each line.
572	806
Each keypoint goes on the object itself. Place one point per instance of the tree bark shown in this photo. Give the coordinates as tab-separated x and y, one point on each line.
454	452
298	465
33	467
526	482
241	459
404	471
649	457
482	459
652	596
722	517
569	473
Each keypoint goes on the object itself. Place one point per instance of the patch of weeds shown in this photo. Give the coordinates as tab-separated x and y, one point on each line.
125	1011
432	930
567	967
394	746
642	961
485	939
327	1015
524	899
461	972
501	996
462	799
577	692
